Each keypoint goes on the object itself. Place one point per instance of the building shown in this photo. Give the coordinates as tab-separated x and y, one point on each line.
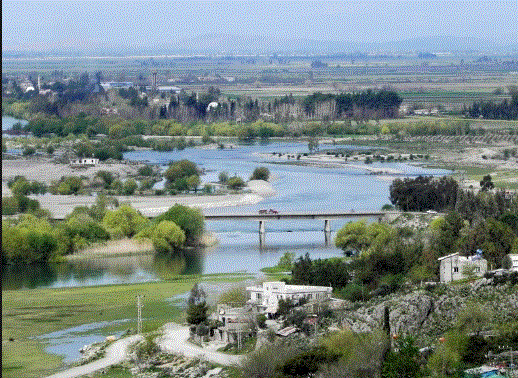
236	322
454	267
117	85
267	296
511	262
83	162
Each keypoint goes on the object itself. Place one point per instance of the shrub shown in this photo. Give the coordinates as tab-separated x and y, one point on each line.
167	237
235	183
260	173
190	220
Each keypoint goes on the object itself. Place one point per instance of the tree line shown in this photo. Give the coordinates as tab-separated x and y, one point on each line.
34	237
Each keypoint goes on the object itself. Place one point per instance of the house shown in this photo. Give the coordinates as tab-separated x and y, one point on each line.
511	262
235	322
454	267
83	162
267	296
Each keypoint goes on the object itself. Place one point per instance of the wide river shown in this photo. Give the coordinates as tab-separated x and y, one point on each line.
299	188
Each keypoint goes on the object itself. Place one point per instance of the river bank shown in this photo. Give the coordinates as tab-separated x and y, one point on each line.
27	314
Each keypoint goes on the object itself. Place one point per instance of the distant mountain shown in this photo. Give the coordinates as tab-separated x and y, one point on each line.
228	44
232	44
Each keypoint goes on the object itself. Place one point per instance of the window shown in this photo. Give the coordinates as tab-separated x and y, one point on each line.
456	269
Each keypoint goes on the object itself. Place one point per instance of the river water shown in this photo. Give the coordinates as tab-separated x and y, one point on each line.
299	188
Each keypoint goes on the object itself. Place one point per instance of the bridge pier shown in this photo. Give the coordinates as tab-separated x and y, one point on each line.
261	227
327	226
327	238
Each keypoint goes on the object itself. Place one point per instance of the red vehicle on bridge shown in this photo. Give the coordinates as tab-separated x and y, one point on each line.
272	211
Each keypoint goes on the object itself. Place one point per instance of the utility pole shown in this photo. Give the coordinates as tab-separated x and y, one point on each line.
139	314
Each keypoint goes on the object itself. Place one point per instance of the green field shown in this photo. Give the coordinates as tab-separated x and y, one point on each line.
29	313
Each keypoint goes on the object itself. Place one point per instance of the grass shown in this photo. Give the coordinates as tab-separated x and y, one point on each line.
247	347
29	313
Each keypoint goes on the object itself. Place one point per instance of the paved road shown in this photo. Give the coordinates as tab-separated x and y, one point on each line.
115	353
175	338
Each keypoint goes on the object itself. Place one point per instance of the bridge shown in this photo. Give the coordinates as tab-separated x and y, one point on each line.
325	216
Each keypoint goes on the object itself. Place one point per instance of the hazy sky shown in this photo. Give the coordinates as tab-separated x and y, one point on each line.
37	25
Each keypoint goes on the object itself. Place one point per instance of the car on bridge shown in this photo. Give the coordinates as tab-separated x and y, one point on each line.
263	211
272	211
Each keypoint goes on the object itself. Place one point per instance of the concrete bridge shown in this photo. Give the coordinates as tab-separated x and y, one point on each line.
271	216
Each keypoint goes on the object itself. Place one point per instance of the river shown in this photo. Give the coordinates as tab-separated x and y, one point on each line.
298	188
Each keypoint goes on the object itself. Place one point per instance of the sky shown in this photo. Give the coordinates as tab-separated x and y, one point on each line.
84	25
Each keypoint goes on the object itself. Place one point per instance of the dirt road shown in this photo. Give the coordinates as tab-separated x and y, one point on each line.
115	353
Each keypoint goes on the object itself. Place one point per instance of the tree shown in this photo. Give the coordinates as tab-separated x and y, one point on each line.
223	177
167	237
486	183
197	306
352	238
179	170
190	220
124	222
235	183
129	187
312	144
402	362
260	173
193	182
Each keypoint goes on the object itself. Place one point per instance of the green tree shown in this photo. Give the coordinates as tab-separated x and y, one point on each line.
193	182
403	361
124	221
180	169
486	183
167	237
312	144
260	173
223	177
197	306
190	220
352	238
235	183
129	187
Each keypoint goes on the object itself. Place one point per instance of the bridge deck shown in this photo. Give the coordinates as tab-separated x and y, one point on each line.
293	215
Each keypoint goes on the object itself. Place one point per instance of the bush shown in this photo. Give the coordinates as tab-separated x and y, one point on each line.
145	171
235	183
190	220
260	173
167	237
129	187
125	221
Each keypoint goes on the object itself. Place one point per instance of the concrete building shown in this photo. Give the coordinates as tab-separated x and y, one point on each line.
267	296
82	162
236	322
454	267
511	262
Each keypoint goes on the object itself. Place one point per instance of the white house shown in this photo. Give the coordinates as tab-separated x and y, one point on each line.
267	296
511	262
453	267
84	162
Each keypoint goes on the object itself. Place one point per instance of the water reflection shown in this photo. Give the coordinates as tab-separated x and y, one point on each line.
102	271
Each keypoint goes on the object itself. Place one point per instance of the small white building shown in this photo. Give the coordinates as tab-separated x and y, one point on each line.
511	262
454	267
82	162
267	296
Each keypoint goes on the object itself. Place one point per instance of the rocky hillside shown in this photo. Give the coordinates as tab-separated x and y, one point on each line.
427	313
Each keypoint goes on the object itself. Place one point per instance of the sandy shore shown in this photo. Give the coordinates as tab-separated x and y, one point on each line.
329	161
114	248
44	170
61	206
